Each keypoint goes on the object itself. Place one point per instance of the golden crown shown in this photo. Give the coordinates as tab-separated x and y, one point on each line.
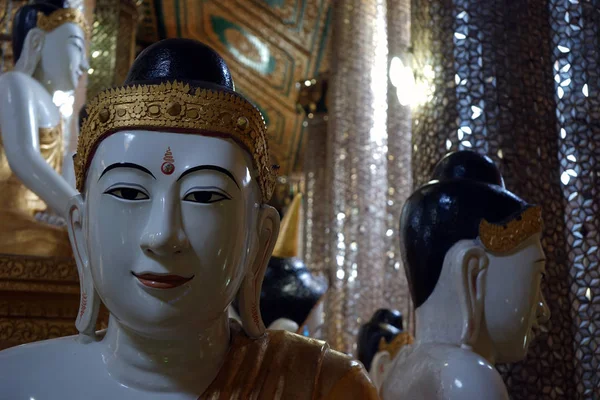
173	106
62	16
504	238
403	339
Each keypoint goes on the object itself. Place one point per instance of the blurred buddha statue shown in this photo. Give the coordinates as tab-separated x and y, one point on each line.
291	297
474	263
379	333
171	224
49	46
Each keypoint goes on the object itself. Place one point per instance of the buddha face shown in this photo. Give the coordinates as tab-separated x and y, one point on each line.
514	303
63	57
170	226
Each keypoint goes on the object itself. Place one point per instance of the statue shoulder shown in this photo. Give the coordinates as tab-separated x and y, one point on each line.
281	364
337	375
16	80
434	371
470	376
28	366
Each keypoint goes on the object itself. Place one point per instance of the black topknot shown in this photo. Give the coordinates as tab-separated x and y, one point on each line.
183	60
465	189
467	165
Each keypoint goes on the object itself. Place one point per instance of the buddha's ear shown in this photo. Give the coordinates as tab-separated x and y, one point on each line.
31	52
380	368
249	293
473	262
89	304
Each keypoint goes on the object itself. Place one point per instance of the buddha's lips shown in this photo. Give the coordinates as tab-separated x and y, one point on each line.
161	281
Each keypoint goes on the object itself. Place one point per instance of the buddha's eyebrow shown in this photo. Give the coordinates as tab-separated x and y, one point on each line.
209	167
126	165
77	37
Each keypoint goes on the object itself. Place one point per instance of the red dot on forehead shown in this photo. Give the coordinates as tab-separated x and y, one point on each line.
167	168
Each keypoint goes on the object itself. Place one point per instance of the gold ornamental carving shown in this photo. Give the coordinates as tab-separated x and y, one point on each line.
62	16
14	332
504	238
38	269
176	106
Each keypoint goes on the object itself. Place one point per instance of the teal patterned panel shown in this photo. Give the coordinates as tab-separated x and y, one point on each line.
266	64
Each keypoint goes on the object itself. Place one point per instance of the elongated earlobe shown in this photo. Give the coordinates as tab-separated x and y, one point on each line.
380	368
473	270
31	52
89	304
249	294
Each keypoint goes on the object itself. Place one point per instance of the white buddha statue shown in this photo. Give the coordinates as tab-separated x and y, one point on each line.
49	46
474	263
172	222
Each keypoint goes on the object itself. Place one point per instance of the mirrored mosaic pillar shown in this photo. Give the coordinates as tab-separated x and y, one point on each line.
400	86
357	169
312	102
485	81
576	61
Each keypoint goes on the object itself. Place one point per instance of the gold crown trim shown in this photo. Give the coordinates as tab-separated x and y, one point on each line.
174	106
403	339
62	16
504	238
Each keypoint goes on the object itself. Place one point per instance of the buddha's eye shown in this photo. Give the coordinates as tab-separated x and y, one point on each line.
78	47
205	197
129	194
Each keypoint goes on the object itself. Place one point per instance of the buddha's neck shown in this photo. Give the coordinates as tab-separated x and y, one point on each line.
186	363
41	77
436	325
484	345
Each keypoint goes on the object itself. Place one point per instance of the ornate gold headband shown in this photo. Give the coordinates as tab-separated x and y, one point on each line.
172	106
403	339
504	238
62	16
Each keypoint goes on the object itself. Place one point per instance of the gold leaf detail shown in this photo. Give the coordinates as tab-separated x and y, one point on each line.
171	106
504	238
62	16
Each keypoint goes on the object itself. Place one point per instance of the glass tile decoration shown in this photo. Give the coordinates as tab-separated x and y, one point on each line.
518	81
400	83
312	95
575	40
357	168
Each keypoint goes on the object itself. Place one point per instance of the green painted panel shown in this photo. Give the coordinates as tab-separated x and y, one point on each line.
274	3
266	64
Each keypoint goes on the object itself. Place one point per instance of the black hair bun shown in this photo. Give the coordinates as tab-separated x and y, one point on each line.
289	290
26	19
384	324
387	316
55	3
468	165
183	60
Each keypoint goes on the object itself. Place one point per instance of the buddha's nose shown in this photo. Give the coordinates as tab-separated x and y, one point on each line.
84	65
164	234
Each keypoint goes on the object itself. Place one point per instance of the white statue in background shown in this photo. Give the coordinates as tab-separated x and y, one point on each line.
49	46
474	262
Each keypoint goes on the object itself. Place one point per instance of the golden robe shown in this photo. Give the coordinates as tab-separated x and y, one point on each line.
20	233
281	365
